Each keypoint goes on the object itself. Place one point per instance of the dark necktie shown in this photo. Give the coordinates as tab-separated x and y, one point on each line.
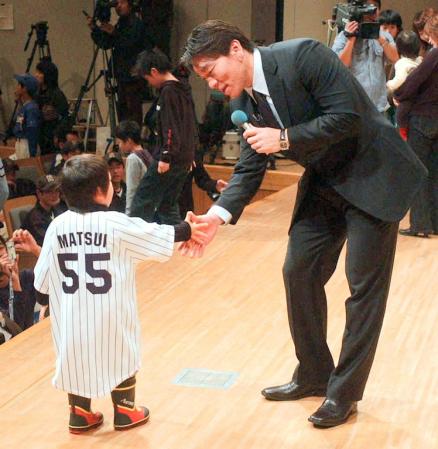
265	110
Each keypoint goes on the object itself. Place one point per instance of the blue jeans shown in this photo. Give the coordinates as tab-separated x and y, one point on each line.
423	138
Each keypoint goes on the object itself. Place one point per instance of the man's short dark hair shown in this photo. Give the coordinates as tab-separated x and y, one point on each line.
408	44
80	178
129	129
152	59
212	39
391	17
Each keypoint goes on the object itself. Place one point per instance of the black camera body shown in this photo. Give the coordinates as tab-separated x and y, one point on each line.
41	29
102	10
354	11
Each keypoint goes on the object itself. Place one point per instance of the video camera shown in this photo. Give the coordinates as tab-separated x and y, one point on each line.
102	10
40	29
354	11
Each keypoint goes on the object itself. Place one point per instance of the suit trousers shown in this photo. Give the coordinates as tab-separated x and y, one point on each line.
323	224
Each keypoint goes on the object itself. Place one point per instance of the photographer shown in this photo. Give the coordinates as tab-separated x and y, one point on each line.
127	39
52	102
366	57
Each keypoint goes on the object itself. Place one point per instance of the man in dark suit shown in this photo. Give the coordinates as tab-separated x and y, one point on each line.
359	180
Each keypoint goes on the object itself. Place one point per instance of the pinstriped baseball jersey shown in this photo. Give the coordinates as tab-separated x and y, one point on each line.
87	267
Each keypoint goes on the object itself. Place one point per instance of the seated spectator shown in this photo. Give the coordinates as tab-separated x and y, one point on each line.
24	297
68	150
17	186
28	116
48	207
52	103
128	135
117	172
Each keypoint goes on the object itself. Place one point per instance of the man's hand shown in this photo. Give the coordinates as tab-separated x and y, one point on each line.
107	28
193	248
24	241
199	229
351	28
221	185
163	167
263	140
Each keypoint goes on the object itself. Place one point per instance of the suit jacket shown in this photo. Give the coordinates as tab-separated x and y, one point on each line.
335	132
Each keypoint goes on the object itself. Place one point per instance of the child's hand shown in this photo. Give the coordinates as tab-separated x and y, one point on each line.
24	241
198	229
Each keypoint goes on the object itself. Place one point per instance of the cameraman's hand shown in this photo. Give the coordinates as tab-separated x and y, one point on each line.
352	28
90	23
107	28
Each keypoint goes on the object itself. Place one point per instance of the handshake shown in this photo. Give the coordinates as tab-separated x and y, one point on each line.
204	228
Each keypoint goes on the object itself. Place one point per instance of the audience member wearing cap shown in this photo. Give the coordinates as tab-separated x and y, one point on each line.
17	186
48	207
28	117
52	103
117	171
68	149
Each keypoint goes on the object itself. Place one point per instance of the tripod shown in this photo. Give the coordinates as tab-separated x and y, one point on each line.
42	45
110	90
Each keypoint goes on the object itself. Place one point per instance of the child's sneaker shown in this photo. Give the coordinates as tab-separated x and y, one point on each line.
126	418
82	420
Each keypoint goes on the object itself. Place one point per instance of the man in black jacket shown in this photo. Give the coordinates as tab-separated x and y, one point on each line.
157	195
359	181
127	38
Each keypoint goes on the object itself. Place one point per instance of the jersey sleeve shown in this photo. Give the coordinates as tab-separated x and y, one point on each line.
42	267
146	241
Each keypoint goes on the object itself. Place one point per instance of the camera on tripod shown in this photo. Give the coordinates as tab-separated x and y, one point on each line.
40	29
355	11
102	10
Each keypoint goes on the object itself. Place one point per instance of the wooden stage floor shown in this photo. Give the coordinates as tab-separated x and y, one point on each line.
227	312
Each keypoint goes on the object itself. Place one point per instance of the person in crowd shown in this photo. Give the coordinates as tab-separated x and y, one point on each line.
127	38
69	148
4	188
391	22
52	103
408	47
116	168
156	198
48	206
24	295
28	117
108	245
366	58
418	102
418	24
128	135
17	186
301	99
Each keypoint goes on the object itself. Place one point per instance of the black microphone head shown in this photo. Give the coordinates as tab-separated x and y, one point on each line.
239	118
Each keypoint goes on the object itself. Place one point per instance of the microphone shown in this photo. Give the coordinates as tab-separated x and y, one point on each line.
240	119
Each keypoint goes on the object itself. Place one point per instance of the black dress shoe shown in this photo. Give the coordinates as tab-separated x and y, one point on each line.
292	391
410	233
332	413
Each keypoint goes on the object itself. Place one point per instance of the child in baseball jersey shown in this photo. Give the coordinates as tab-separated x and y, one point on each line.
87	267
